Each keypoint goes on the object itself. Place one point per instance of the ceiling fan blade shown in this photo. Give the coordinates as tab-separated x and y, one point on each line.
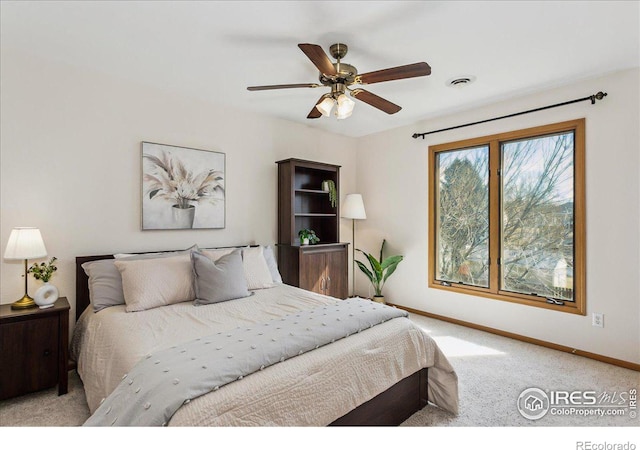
420	69
315	112
319	58
283	86
375	101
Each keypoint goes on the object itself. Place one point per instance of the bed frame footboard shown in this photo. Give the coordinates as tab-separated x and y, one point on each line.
391	407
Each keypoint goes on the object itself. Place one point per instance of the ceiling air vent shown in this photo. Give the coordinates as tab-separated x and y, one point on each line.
459	82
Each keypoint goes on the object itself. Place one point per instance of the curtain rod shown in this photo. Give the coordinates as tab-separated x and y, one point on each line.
599	96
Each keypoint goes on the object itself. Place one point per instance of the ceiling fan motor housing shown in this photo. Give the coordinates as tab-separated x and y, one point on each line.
346	74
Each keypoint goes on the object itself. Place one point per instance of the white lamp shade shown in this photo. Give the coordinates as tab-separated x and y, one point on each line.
353	207
345	107
325	106
25	243
342	114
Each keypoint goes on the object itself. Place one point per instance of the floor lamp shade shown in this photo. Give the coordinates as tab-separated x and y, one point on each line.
353	207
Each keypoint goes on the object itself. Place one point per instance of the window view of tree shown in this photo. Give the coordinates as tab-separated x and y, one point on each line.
537	216
463	216
507	216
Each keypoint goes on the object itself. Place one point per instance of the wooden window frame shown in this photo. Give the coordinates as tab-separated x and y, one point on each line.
578	305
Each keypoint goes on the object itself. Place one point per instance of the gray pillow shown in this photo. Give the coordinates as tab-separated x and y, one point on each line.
218	281
105	284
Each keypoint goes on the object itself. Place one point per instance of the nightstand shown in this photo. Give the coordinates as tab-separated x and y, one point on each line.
34	349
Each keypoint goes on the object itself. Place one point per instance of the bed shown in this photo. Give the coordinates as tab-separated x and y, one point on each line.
379	376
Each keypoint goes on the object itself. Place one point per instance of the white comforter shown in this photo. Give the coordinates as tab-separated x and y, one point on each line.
312	389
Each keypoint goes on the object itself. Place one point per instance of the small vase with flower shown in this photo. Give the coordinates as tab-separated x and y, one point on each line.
47	294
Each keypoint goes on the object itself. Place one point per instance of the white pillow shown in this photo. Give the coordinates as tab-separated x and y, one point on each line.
150	283
255	268
270	258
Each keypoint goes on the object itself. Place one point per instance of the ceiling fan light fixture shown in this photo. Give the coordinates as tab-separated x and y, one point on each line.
344	107
343	115
325	106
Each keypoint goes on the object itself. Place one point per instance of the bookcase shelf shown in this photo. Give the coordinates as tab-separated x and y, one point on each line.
303	204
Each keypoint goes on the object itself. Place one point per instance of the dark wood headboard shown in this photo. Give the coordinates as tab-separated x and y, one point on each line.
82	282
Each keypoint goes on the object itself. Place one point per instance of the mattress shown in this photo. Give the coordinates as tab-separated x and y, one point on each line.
312	389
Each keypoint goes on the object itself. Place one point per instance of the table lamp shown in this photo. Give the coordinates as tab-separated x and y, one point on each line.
25	243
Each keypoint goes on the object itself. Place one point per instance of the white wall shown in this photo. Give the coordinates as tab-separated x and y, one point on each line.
392	177
70	164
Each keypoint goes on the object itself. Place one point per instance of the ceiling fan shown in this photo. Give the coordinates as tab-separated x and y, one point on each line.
340	77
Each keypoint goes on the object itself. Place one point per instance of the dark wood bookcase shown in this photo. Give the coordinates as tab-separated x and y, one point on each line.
302	203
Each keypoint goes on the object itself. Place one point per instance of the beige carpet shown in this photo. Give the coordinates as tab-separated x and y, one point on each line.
492	372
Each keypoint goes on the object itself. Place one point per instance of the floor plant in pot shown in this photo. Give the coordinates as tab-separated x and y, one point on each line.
379	270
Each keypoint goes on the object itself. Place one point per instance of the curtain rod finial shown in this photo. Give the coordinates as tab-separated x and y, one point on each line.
599	96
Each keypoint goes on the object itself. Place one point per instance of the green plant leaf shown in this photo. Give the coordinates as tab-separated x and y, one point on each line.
392	268
377	268
366	271
391	260
384	241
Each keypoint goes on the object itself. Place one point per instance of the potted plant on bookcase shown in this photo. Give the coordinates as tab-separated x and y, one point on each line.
330	187
308	237
379	270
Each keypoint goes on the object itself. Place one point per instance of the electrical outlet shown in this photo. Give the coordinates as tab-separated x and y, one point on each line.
597	320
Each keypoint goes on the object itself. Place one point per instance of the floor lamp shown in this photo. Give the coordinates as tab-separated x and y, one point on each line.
353	208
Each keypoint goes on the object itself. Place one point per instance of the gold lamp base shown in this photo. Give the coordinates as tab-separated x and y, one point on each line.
24	303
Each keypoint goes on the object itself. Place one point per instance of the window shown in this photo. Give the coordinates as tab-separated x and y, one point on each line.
507	216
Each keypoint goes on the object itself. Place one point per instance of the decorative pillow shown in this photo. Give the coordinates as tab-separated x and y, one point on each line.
218	281
105	284
151	255
270	258
216	253
149	283
255	268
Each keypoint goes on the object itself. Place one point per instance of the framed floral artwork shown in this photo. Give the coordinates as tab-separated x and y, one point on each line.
182	188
